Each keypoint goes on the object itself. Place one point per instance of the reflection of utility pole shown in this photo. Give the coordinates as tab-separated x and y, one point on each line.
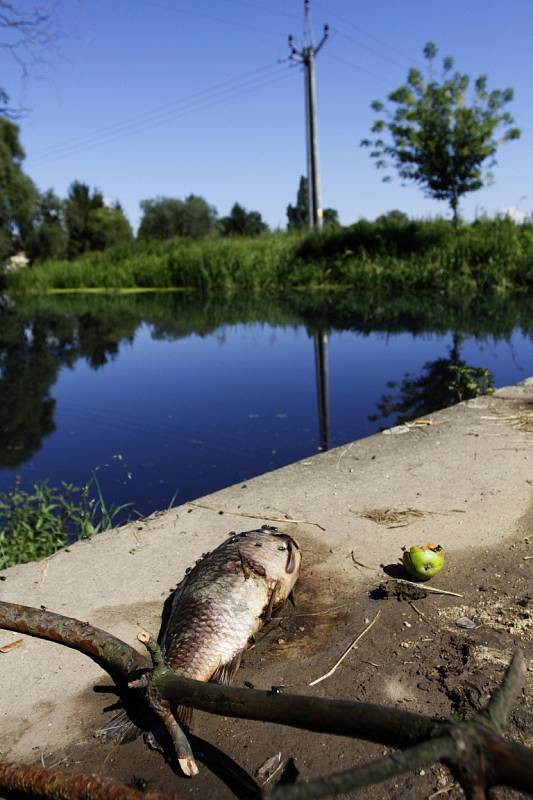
306	56
322	390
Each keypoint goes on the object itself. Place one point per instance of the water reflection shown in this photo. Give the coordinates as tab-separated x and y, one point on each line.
442	382
194	396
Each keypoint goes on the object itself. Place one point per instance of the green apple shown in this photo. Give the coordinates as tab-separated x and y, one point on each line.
423	561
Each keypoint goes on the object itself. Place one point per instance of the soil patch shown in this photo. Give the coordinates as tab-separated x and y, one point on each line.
416	657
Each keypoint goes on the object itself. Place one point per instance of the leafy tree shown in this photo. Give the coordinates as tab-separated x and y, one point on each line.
394	217
165	217
17	192
48	238
437	136
109	228
298	215
241	222
90	224
330	218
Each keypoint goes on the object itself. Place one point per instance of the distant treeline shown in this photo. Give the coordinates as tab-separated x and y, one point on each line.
391	254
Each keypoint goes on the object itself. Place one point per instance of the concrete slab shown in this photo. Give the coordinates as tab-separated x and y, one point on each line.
470	472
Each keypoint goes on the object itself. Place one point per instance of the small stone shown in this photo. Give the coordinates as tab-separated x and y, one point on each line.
466	622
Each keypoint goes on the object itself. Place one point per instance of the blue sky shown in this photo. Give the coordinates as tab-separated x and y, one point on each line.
143	98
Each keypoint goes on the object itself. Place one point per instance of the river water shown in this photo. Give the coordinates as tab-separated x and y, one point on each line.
168	398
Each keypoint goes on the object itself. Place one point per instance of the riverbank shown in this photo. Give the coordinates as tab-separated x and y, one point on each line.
463	481
422	256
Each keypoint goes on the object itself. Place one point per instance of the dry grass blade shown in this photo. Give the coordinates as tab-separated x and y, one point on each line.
7	648
430	589
348	649
256	516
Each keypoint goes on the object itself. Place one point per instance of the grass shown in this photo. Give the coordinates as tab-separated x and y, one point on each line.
420	255
35	524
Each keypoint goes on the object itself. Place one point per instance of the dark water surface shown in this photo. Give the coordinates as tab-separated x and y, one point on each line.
165	395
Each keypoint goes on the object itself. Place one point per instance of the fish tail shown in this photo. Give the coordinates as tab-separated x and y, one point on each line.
119	729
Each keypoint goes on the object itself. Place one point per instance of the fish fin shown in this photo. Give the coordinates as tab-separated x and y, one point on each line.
226	672
249	566
267	614
184	716
292	599
291	561
120	729
292	547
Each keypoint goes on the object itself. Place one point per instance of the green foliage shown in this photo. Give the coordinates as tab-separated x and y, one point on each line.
166	217
383	256
241	222
298	215
468	382
394	217
48	238
17	192
437	136
36	524
91	225
443	382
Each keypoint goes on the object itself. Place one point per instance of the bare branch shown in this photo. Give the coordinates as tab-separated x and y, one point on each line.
56	784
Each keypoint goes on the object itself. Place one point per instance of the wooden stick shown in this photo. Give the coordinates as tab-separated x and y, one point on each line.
348	649
255	516
431	589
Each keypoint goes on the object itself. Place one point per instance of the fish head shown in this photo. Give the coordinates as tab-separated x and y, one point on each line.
275	554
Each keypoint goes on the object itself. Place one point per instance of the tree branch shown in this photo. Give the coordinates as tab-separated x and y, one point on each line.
421	755
55	784
116	657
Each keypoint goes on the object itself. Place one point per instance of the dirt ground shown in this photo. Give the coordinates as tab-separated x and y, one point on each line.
415	657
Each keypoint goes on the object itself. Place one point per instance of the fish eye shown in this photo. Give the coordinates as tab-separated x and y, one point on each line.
282	547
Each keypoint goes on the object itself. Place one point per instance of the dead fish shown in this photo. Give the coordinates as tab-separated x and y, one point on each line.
225	600
214	613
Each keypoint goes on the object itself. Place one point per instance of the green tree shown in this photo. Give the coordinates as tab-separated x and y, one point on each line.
17	192
90	224
298	215
241	222
165	217
438	135
48	238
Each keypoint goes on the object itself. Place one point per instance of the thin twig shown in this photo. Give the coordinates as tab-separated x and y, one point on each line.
359	563
421	755
505	695
255	516
431	589
444	790
421	614
341	659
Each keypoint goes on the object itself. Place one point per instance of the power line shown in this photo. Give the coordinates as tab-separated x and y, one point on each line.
210	17
158	110
359	68
222	97
361	31
372	50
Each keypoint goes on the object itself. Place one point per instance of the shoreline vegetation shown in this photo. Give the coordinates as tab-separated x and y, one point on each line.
494	255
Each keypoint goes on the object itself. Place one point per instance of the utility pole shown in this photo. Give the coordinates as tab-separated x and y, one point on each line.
306	56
